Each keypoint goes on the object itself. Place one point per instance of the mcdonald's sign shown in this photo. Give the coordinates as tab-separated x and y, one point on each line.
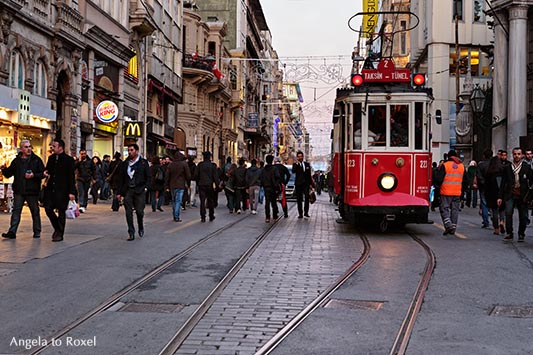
133	129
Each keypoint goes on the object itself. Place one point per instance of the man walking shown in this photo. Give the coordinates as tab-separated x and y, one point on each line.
60	187
134	179
302	184
285	176
481	175
207	179
27	169
113	178
176	179
85	176
515	183
452	181
253	182
270	181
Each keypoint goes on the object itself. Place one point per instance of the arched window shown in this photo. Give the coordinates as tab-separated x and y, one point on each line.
16	70
41	84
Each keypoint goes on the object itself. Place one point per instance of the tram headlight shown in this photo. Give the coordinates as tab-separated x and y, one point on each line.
387	182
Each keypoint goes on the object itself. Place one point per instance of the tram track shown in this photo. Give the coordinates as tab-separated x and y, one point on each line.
318	302
144	280
403	335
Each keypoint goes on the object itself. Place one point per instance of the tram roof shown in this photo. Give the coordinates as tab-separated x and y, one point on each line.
383	89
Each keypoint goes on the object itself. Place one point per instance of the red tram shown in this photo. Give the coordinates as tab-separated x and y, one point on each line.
381	146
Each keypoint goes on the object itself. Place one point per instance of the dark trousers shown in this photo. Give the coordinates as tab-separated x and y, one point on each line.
302	192
58	220
83	192
134	200
518	202
115	204
240	199
33	204
207	196
270	200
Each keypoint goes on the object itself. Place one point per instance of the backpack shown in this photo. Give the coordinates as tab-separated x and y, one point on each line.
160	176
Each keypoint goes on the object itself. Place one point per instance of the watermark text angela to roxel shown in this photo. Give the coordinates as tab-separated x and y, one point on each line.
28	343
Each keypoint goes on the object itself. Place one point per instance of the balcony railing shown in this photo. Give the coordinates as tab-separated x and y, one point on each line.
197	62
68	19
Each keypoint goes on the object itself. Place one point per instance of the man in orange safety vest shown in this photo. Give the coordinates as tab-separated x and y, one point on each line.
451	178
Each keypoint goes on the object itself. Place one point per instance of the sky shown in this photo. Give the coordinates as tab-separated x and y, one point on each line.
318	30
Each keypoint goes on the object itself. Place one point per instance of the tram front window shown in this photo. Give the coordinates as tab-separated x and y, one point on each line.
377	125
399	125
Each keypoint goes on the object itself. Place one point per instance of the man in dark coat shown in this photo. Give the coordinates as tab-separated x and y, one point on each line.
27	168
176	178
207	178
302	183
60	187
285	176
85	176
114	168
271	182
515	184
134	179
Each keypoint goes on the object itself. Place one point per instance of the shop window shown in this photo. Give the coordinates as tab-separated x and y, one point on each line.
41	82
472	58
16	70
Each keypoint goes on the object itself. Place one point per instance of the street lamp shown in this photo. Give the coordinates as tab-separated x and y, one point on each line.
481	133
477	100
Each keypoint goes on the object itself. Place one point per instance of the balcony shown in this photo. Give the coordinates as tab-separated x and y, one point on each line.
197	68
141	19
69	22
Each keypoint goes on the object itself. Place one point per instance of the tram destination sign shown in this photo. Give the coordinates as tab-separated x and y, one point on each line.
386	73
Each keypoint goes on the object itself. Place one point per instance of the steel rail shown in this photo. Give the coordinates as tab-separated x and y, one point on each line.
181	335
133	286
404	334
317	302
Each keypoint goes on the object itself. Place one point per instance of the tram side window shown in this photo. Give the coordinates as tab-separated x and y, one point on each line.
357	126
399	125
419	124
377	125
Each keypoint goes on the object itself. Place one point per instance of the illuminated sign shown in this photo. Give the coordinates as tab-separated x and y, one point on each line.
370	20
133	129
386	73
107	111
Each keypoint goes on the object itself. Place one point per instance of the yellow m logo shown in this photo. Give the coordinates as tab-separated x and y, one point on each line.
133	129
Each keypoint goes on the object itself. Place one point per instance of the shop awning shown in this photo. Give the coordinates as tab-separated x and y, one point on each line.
168	143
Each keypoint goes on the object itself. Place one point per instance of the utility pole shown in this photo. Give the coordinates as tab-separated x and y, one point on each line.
458	56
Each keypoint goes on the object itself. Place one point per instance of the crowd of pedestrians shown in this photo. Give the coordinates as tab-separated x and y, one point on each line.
135	182
502	186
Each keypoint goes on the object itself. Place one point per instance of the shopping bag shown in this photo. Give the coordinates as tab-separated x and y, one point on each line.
72	210
312	197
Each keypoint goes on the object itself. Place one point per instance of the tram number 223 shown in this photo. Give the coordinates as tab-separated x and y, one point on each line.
351	163
423	164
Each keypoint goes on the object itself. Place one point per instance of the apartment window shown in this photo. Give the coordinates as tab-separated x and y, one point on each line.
479	8
16	70
39	78
403	37
469	58
212	48
458	9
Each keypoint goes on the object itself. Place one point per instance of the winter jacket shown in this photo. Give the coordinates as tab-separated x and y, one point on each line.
18	168
85	170
253	176
177	174
270	179
206	174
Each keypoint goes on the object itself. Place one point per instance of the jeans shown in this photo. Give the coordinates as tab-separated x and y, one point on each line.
105	191
516	201
83	192
33	204
137	201
177	196
240	199
449	210
157	198
254	197
484	209
230	197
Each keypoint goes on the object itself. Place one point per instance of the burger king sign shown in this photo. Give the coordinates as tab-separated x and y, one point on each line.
107	111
